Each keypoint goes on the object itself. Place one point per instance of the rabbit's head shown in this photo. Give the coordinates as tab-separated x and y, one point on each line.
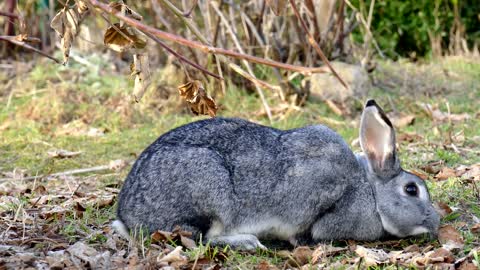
402	198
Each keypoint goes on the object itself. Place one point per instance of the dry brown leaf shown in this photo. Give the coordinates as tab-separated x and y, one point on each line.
104	201
475	228
442	208
61	153
187	242
125	10
277	6
302	255
67	25
409	137
161	236
450	238
80	252
432	167
121	39
143	76
441	255
372	256
468	266
40	190
323	251
445	173
264	265
420	174
198	99
471	173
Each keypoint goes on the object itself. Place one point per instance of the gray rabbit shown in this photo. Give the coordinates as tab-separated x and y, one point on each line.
233	182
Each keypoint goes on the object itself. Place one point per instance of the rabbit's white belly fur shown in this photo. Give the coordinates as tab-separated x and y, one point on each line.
269	226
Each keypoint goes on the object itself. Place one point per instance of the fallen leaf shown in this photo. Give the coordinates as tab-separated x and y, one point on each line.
40	190
445	173
420	174
372	256
323	251
467	266
441	255
173	256
302	255
143	76
198	99
471	172
264	265
432	167
442	208
475	228
61	153
67	25
450	238
81	253
409	137
187	242
161	236
104	201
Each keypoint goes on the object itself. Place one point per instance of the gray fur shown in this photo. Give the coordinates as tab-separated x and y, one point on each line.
231	180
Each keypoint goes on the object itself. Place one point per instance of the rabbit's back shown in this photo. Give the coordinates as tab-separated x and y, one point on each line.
238	173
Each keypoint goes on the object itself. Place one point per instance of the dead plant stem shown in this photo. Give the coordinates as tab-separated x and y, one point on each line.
315	45
245	63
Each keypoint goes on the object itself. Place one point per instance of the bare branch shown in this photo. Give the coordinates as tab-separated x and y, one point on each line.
14	40
205	48
181	57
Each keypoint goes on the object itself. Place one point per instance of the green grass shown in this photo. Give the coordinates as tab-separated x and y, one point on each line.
49	98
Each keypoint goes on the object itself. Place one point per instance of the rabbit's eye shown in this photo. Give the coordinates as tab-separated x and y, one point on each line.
411	189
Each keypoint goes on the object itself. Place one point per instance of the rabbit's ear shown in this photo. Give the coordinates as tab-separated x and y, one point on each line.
377	138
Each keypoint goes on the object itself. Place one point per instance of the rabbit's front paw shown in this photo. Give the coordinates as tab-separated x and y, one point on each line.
247	242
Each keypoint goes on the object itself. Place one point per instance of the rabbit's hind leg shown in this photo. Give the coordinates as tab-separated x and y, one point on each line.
248	242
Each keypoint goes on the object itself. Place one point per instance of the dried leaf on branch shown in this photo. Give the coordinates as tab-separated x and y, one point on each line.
198	99
126	11
67	25
122	39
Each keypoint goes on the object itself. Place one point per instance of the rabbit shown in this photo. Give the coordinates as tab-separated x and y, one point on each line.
233	182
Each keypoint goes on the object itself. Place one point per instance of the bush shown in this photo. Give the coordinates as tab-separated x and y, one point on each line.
410	27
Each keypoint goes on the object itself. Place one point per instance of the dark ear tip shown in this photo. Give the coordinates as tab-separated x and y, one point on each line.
371	102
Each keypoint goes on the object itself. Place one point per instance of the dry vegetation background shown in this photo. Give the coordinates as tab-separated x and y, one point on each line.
87	85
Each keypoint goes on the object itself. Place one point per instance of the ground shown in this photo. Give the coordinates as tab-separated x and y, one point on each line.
56	120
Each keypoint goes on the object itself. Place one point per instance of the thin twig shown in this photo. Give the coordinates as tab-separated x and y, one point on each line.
181	57
8	14
203	47
71	172
14	40
315	44
187	14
